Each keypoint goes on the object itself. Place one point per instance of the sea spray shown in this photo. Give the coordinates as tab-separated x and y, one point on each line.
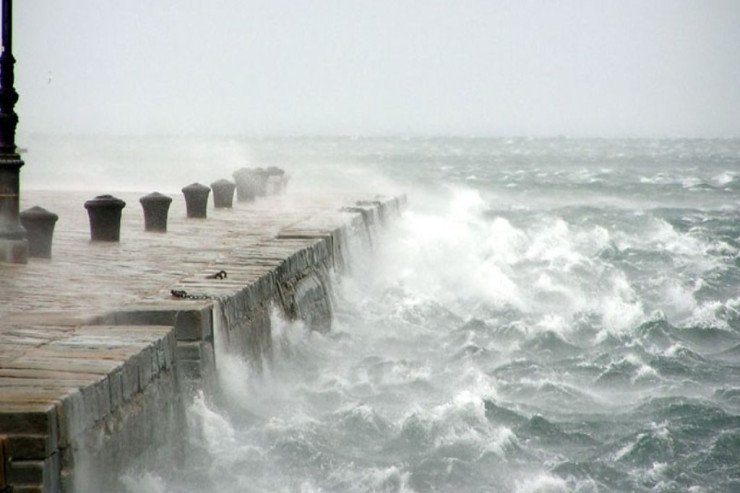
550	315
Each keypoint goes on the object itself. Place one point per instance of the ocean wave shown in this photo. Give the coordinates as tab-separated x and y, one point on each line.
595	476
549	344
694	413
729	395
731	353
502	415
647	447
727	180
389	478
655	335
545	393
625	371
359	425
717	314
550	435
382	372
456	429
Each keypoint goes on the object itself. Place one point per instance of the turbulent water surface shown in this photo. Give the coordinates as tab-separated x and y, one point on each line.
549	315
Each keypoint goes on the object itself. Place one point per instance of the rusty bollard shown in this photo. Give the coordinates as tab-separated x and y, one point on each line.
104	212
39	224
196	199
223	193
245	184
156	207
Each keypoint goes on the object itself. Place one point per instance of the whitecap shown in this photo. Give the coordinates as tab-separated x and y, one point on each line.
147	482
725	178
209	427
541	483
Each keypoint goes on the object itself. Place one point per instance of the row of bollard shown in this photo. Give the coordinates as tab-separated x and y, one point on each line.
104	211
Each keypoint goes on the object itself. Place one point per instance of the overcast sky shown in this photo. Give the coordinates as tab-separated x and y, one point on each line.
660	68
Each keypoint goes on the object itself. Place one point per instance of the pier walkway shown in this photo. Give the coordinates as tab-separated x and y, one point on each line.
94	349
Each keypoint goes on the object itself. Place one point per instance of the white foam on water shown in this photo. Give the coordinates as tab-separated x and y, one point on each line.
556	244
234	375
395	364
549	267
661	179
621	309
714	313
639	370
553	322
209	428
462	255
146	482
691	181
392	478
658	431
662	236
462	422
443	257
541	483
644	372
678	299
399	373
503	242
725	178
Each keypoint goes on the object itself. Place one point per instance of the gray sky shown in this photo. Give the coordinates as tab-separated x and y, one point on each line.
389	67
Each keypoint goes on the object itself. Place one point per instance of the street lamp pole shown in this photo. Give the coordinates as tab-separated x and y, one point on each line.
13	241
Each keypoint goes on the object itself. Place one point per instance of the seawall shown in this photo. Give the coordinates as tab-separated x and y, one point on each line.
98	357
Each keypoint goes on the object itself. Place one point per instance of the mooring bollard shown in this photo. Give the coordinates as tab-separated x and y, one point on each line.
156	207
39	224
104	212
196	199
245	184
275	177
260	182
223	193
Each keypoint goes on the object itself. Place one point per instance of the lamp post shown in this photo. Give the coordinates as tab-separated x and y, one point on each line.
13	242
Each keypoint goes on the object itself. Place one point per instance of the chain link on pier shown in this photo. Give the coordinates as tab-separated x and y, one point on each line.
183	295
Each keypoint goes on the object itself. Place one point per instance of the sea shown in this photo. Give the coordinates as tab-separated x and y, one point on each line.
548	315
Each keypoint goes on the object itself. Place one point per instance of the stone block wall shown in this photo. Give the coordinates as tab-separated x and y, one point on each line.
117	387
121	399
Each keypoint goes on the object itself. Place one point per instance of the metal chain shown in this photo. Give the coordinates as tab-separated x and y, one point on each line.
183	295
218	275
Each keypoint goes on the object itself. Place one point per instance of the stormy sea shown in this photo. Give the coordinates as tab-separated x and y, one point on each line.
549	315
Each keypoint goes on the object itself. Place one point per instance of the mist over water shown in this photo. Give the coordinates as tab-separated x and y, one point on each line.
549	315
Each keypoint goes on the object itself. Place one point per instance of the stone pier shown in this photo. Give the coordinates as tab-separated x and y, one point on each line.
97	355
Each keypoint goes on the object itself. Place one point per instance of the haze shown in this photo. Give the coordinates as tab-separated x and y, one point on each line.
664	68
